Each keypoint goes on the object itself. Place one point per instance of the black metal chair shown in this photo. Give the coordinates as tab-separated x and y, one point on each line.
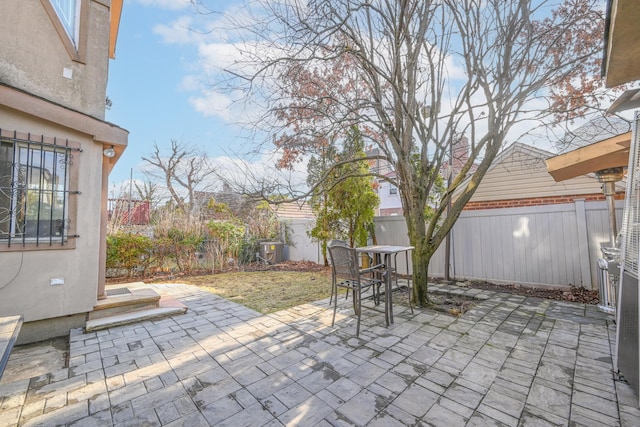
347	274
335	242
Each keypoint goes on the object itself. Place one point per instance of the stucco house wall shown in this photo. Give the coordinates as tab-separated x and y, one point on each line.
35	58
52	93
26	285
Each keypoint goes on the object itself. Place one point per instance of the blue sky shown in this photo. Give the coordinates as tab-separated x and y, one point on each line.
156	84
159	85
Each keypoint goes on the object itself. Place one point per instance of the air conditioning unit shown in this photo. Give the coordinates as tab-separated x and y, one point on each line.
271	252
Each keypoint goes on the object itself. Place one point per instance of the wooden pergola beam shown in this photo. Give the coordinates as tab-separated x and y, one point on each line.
608	153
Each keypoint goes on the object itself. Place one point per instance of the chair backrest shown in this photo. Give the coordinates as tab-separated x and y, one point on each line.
344	263
336	242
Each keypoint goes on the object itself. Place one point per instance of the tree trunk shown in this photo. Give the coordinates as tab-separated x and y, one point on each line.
422	251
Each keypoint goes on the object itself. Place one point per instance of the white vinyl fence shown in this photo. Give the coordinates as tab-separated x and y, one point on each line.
300	247
551	245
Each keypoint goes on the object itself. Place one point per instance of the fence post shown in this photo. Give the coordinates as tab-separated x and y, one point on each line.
583	243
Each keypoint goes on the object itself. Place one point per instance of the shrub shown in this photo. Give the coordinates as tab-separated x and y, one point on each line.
131	252
225	241
180	238
249	247
185	245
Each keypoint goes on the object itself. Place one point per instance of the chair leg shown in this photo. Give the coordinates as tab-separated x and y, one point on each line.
335	308
331	297
357	292
410	290
333	290
357	298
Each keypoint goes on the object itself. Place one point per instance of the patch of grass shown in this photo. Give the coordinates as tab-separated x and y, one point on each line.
266	291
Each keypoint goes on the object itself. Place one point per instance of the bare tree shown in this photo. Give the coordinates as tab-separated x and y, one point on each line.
182	171
147	190
416	75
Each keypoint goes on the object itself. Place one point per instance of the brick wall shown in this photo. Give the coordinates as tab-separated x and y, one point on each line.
391	211
537	201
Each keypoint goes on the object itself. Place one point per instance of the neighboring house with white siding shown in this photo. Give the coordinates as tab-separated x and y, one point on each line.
389	194
519	177
390	203
521	226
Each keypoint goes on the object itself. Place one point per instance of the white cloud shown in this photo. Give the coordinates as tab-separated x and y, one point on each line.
232	106
212	104
178	32
243	174
251	174
191	83
216	56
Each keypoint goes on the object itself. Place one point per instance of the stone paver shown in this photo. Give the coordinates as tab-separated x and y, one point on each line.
509	361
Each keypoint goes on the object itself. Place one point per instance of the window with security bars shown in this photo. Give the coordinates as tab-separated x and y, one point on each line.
631	220
34	192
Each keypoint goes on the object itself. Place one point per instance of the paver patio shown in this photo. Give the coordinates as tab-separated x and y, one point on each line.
511	360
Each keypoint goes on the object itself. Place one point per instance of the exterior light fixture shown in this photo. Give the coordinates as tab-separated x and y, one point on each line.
109	152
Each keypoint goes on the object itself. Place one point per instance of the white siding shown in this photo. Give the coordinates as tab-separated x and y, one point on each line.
387	199
522	173
548	245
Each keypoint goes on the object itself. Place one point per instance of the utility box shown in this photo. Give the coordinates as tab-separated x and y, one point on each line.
271	252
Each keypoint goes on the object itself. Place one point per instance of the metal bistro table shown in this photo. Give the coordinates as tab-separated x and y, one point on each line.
387	251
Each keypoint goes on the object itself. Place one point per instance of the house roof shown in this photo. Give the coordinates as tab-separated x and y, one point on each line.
294	210
608	153
525	151
598	129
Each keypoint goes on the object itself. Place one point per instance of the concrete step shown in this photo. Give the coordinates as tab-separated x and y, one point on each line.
167	306
9	329
125	300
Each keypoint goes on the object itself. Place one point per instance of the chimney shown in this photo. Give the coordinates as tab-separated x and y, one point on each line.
460	153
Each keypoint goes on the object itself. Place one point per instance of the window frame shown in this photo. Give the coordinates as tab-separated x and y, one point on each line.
77	48
68	238
69	14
